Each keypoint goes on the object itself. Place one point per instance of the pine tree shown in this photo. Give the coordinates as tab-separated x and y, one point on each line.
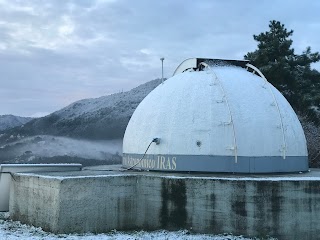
274	55
290	73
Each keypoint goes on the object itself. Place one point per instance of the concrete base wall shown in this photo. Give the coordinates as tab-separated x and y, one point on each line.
7	169
286	209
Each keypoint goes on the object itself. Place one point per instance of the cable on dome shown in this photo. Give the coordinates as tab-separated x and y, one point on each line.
155	140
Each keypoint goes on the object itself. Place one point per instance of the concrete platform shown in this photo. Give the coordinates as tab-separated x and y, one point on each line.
101	198
6	171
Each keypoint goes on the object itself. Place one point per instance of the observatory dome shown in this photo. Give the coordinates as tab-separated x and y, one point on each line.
215	118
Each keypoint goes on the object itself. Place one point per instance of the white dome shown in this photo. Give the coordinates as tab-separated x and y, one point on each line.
224	119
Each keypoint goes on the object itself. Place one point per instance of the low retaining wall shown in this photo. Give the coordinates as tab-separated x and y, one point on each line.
7	169
282	208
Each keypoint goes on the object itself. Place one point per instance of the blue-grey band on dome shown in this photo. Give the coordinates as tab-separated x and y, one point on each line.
205	163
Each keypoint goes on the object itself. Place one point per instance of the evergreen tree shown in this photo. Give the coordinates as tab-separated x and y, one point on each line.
274	54
290	73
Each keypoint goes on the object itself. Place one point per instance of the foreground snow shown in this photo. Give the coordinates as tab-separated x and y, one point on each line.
10	230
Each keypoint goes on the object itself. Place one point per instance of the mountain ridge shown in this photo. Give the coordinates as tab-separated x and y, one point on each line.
8	121
100	118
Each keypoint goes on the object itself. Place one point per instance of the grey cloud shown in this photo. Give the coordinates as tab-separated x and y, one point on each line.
61	51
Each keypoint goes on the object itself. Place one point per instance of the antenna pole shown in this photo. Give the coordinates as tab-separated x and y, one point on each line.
162	69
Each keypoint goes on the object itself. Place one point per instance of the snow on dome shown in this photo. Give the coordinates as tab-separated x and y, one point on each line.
222	119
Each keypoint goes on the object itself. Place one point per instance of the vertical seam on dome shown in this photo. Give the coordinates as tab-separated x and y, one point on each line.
230	113
284	147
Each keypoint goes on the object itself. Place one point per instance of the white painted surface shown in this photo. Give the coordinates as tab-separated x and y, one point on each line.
192	107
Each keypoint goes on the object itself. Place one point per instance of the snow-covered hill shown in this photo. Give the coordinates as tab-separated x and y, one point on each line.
88	131
11	121
97	118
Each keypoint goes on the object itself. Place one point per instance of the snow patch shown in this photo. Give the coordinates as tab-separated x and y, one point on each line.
11	230
111	173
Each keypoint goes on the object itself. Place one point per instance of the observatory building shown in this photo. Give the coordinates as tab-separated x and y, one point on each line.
212	116
215	116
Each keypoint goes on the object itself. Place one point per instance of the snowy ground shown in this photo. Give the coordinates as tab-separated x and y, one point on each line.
10	230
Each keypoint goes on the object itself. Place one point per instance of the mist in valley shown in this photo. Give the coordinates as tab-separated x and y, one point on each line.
54	149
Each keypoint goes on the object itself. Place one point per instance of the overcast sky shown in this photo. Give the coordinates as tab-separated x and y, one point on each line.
54	52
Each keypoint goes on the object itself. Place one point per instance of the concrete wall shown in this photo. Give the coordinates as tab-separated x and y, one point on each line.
7	169
36	201
284	209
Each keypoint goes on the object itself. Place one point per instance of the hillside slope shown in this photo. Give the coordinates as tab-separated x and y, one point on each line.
97	118
11	121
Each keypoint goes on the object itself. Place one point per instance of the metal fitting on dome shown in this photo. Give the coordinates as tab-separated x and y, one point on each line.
156	140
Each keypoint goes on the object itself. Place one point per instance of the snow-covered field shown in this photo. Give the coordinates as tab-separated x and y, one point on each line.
11	230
